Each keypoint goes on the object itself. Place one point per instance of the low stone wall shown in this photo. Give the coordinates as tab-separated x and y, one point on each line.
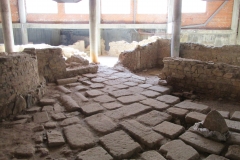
226	54
19	79
218	79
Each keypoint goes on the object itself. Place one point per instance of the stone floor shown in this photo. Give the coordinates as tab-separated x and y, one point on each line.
114	115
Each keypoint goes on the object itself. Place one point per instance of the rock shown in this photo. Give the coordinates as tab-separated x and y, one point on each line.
24	150
20	105
101	123
155	104
18	117
38	128
69	121
233	152
168	99
236	116
91	108
104	99
78	59
69	104
215	157
120	145
47	101
215	122
152	155
202	144
21	121
67	81
47	108
177	112
112	105
78	136
63	89
55	138
143	134
50	125
57	108
40	117
193	106
97	153
94	93
178	150
43	152
127	111
150	94
154	117
169	130
194	117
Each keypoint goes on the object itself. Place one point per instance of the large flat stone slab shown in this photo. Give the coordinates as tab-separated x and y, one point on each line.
178	150
131	99
69	104
144	135
233	152
233	125
151	155
120	93
80	88
225	114
79	137
97	153
135	90
47	101
202	144
70	121
55	138
104	99
194	117
67	81
40	117
236	116
91	108
127	111
24	150
120	145
168	99
94	93
112	105
97	85
169	129
154	117
177	112
81	97
160	89
234	138
63	89
193	106
101	123
215	157
155	104
150	94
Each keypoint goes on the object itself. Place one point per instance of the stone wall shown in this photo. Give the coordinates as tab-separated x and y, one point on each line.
216	79
19	79
229	54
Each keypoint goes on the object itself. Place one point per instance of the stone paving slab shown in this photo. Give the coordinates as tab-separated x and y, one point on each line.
152	155
63	89
155	104
80	88
97	85
178	150
233	152
81	97
215	157
47	101
120	145
120	93
135	90
50	125
169	129
79	137
127	111
24	150
193	106
168	99
33	109
21	121
234	138
90	75
57	108
236	116
18	117
67	81
94	93
109	89
145	85
123	75
131	84
47	108
69	104
131	99
177	112
91	108
144	135
104	99
55	138
112	105
86	82
97	153
202	144
101	123
150	94
160	89
233	125
154	117
98	80
225	114
194	117
69	121
121	86
73	84
40	117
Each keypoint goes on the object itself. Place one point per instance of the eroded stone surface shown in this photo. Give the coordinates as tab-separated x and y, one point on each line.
97	153
194	117
69	121
55	138
169	130
78	136
169	99
154	117
131	99
91	108
58	116
40	117
101	123
143	134
155	104
152	155
104	99
47	108
202	144
233	152
193	106
120	145
178	150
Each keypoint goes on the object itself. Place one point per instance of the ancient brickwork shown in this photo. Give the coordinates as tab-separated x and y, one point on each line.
217	79
227	54
18	78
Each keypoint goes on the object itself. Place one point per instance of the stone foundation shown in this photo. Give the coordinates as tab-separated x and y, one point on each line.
19	82
216	79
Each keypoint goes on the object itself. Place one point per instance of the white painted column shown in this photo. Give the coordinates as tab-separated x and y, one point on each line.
176	28
23	20
170	16
94	8
235	26
7	26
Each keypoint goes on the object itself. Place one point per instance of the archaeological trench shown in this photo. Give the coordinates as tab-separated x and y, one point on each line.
57	109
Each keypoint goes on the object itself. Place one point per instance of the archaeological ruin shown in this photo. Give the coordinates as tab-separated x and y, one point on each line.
120	79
